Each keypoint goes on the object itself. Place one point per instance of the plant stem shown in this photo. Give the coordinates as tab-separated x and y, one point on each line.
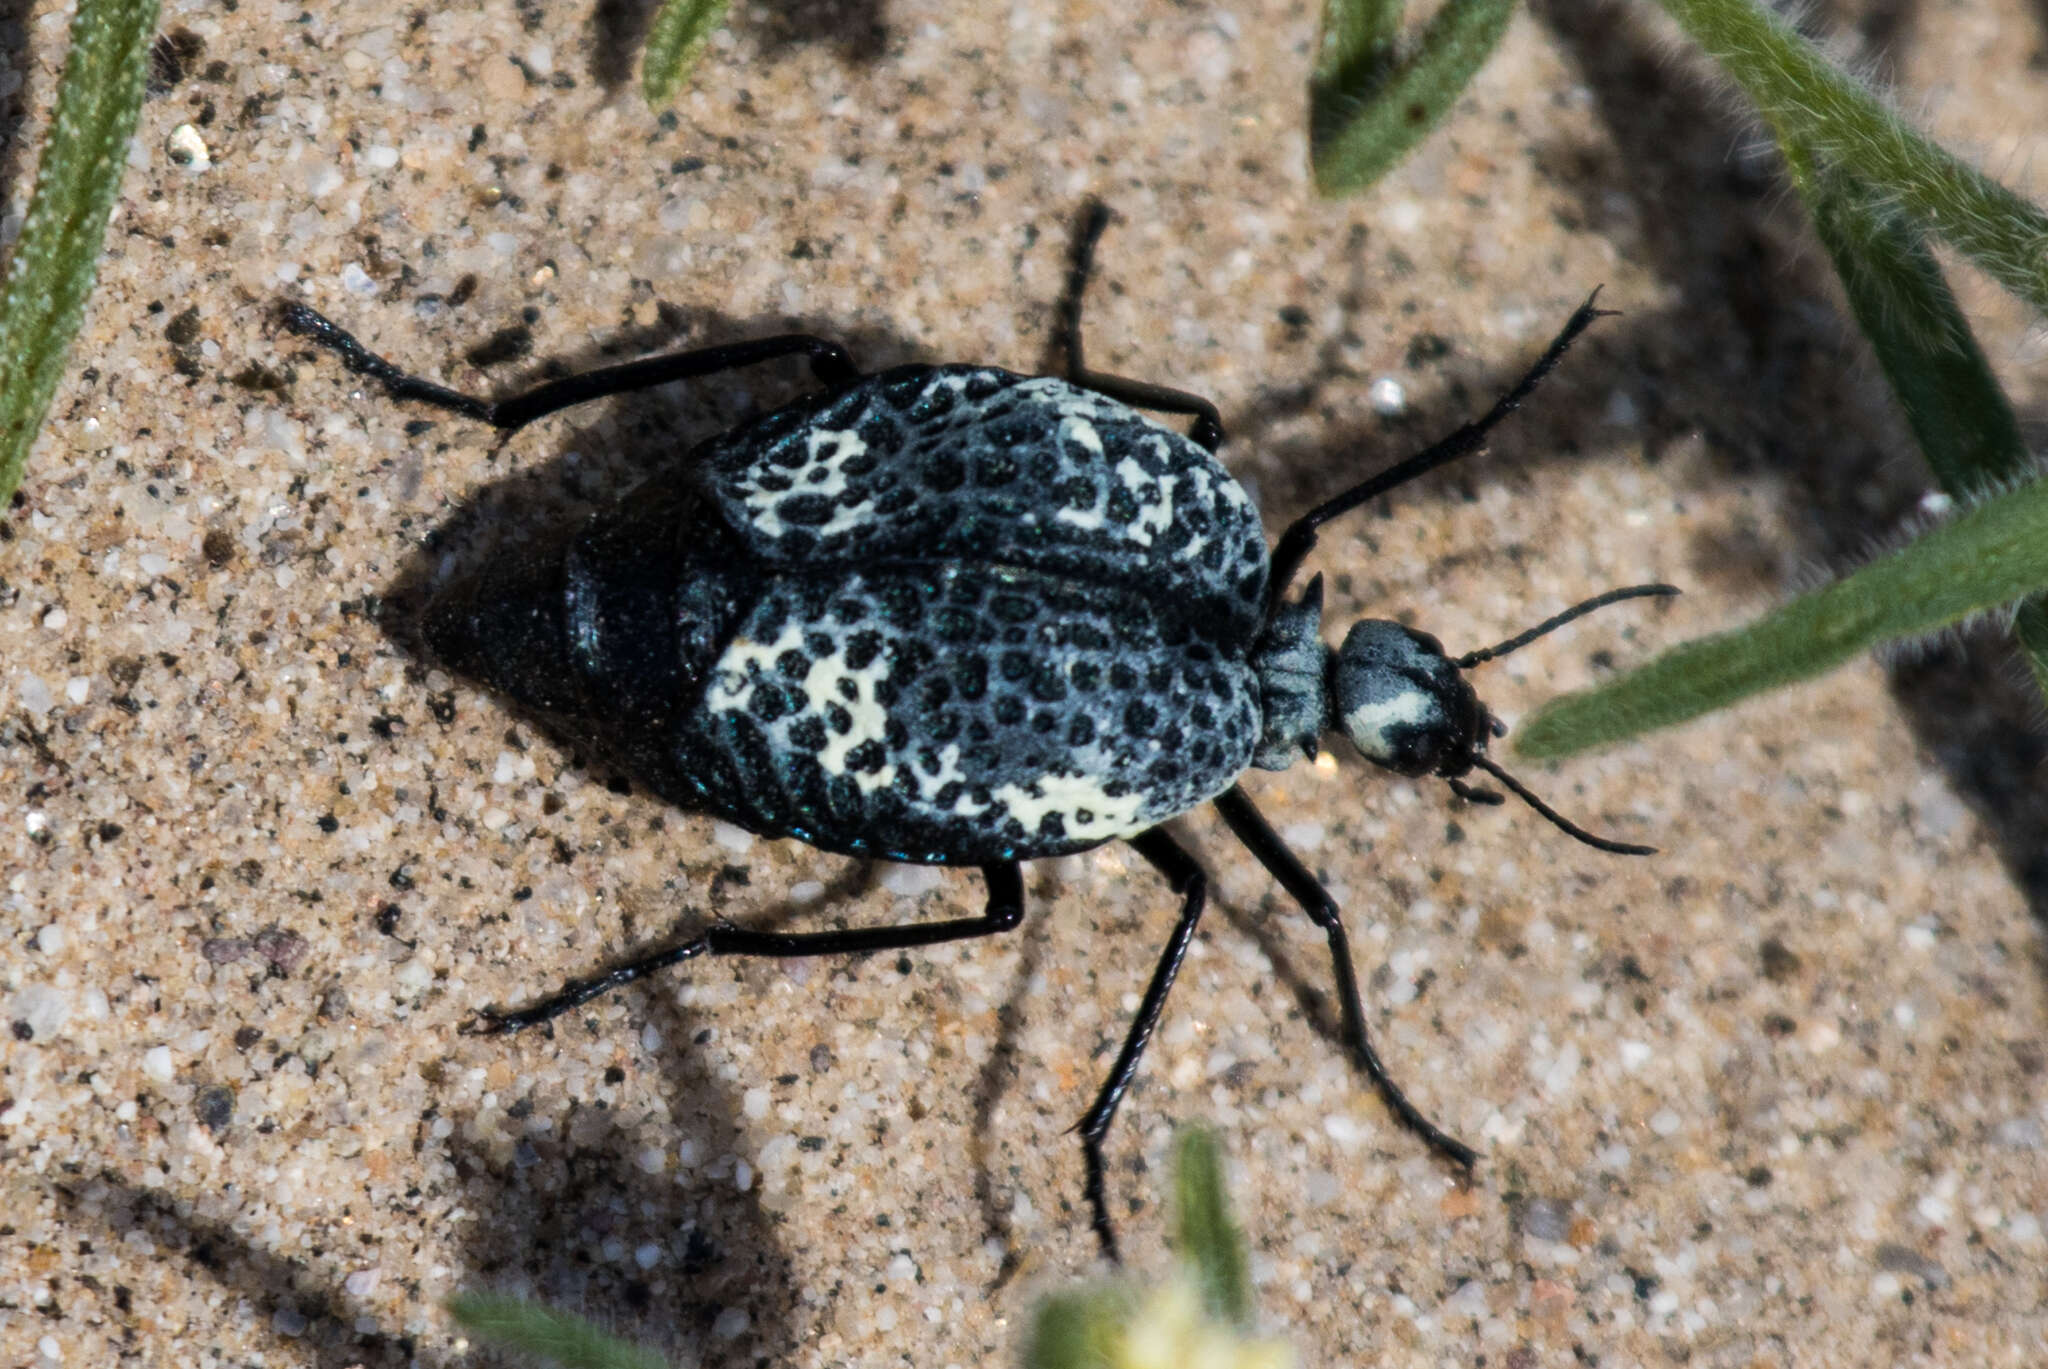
1990	556
57	256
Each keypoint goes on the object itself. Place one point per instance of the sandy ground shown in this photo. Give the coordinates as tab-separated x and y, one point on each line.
1773	1097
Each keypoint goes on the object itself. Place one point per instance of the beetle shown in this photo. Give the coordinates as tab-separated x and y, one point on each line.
955	615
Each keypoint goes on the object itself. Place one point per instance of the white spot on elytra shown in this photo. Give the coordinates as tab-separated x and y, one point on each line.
931	782
824	474
1368	723
1087	811
828	680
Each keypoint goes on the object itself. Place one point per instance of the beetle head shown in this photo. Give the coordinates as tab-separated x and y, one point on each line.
1403	703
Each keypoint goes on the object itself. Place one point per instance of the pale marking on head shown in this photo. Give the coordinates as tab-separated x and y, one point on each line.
1108	815
1368	723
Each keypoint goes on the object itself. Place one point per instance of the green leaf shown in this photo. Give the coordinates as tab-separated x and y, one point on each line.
1083	1329
556	1337
57	256
1846	129
1204	1233
674	42
1960	417
1990	556
1372	100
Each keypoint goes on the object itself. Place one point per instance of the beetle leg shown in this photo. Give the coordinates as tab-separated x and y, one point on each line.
1207	430
1003	911
1263	842
1185	878
830	363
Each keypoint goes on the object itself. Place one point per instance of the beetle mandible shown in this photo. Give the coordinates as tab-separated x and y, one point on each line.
959	616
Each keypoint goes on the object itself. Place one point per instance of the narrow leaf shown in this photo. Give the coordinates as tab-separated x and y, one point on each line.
1205	1235
1960	417
1990	556
555	1337
1371	102
57	256
1809	103
674	42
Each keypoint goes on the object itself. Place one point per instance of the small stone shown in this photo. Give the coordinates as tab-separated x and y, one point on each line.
1547	1219
185	147
157	1064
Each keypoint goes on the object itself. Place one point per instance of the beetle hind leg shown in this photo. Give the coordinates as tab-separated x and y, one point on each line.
1003	911
830	363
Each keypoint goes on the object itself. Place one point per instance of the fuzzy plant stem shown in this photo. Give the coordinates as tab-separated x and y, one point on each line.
556	1338
57	256
1990	556
1807	101
1374	97
674	42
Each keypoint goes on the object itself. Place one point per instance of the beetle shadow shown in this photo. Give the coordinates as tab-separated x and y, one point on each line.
1771	370
14	49
857	30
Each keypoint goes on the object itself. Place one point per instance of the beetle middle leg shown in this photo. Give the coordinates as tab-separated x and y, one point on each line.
1003	911
1251	828
1207	430
830	363
1186	878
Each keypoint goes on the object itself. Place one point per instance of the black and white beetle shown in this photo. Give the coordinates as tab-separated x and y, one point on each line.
953	615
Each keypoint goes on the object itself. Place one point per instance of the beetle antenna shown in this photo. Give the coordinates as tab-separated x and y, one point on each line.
1295	543
1557	819
1520	640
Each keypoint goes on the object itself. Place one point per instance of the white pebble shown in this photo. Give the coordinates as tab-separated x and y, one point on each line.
56	619
1665	1122
363	1282
1303	836
77	689
737	840
806	891
50	940
382	157
32	694
356	280
1634	1055
156	1063
731	1324
185	147
1388	398
647	1255
44	1008
908	881
755	1104
743	1177
48	1348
